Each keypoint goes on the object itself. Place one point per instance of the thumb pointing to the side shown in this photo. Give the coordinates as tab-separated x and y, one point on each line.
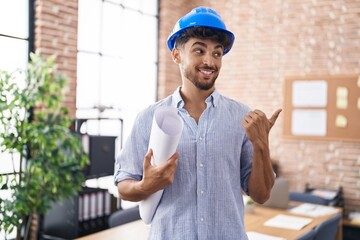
273	118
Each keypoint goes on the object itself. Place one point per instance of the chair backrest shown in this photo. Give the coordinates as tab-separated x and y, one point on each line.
310	235
124	216
307	197
327	230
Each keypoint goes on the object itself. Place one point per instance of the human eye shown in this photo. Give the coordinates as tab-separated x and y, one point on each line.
218	54
198	51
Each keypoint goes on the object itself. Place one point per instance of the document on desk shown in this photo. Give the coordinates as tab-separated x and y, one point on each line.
165	134
288	222
260	236
313	210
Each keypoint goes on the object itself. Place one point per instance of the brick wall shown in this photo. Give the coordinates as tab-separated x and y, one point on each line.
275	39
170	11
56	34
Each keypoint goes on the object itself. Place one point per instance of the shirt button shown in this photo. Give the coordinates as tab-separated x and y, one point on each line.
201	165
202	192
201	219
200	138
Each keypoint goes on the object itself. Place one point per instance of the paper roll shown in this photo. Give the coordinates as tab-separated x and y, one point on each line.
165	134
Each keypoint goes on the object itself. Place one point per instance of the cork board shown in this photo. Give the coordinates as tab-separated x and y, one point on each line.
322	107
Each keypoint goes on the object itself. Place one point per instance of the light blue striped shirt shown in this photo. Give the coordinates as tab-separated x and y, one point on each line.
205	201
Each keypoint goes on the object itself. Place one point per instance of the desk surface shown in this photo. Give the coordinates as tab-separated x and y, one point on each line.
254	221
136	230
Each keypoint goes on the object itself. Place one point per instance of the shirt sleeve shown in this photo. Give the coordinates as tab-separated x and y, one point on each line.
129	162
246	163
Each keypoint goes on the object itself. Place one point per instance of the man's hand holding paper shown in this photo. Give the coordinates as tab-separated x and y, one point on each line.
158	177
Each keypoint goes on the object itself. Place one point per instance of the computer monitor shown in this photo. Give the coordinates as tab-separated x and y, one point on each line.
279	196
102	156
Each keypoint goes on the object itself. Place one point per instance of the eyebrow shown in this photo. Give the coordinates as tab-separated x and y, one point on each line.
204	45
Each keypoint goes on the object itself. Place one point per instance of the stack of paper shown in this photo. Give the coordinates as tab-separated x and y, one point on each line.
288	222
260	236
329	195
313	210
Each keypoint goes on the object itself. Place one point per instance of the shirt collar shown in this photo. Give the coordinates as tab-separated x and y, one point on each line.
178	102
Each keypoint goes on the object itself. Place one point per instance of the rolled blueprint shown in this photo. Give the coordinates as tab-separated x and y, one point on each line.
165	134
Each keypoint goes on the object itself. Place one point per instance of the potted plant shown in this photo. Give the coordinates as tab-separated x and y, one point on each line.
249	204
35	129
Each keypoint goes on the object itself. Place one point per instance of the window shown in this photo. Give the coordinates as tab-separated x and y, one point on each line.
117	58
15	44
14	34
16	41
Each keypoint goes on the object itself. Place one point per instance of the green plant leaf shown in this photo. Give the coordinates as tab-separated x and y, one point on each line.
53	155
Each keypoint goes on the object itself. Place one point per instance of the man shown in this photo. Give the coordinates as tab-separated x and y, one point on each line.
223	150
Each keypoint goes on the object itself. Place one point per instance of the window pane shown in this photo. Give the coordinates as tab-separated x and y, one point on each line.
141	36
113	82
14	18
145	92
14	54
133	4
87	93
140	85
89	25
114	1
9	162
148	39
149	6
107	127
112	25
134	31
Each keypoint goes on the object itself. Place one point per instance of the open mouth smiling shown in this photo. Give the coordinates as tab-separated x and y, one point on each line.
207	72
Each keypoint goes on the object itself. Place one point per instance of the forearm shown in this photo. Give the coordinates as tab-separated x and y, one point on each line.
262	177
154	179
132	190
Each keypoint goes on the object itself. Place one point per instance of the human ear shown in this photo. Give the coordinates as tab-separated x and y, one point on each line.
175	54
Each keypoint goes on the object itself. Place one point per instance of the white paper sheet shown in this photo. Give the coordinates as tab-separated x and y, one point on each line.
327	194
313	210
166	131
309	93
288	222
306	122
260	236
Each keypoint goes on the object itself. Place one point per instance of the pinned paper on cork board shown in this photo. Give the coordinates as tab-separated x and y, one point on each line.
322	107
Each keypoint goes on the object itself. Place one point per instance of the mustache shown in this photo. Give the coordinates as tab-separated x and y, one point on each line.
206	67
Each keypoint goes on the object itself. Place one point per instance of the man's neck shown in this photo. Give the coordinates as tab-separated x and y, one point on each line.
194	100
194	96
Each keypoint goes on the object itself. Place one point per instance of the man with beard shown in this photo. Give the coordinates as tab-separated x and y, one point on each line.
223	150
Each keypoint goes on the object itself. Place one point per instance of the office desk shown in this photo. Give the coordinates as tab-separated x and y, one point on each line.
138	230
255	222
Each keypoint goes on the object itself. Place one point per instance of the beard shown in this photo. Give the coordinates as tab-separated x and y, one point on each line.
206	85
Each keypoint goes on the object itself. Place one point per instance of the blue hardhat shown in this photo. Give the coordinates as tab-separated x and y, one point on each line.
200	17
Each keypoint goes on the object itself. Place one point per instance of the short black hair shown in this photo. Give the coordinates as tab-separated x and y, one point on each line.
203	33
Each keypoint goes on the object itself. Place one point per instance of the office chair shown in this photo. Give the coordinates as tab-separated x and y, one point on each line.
310	235
124	216
307	197
327	230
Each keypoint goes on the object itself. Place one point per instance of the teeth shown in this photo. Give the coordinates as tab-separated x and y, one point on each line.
206	71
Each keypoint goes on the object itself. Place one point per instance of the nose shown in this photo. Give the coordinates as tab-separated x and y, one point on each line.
208	59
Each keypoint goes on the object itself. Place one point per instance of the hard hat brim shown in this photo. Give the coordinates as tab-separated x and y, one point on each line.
172	38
